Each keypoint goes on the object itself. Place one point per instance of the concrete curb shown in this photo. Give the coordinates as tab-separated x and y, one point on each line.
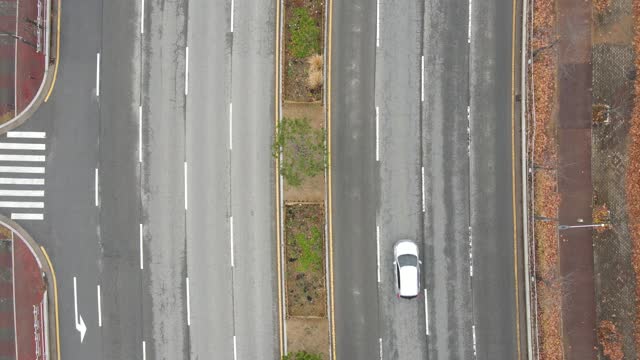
524	166
53	351
49	73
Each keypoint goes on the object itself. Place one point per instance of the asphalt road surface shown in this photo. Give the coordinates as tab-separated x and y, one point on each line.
446	162
138	199
466	222
355	181
207	155
497	302
252	181
398	103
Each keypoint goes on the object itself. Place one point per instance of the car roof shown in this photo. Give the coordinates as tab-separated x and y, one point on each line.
408	281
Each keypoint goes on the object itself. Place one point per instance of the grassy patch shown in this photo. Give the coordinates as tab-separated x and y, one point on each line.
302	355
305	34
303	39
309	250
303	149
306	293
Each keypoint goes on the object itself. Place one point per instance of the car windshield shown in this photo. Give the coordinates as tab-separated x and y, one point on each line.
407	260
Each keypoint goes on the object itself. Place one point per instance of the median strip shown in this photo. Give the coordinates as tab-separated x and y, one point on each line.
300	151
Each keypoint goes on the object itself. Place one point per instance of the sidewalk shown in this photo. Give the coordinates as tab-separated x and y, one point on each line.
27	303
574	174
26	29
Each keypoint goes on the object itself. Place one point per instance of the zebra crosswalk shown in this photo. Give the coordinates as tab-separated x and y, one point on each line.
22	170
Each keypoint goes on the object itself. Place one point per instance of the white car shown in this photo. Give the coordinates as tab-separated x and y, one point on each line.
406	263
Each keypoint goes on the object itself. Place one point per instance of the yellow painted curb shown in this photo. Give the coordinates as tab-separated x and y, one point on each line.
329	180
55	70
55	297
277	182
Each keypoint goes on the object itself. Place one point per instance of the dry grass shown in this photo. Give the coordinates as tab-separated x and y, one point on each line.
315	80
633	172
610	339
315	62
601	6
547	198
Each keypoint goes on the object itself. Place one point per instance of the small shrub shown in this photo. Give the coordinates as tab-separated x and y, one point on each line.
601	113
601	215
302	355
315	80
305	34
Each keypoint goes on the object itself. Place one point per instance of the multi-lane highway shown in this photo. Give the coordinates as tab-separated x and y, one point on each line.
159	187
421	128
159	193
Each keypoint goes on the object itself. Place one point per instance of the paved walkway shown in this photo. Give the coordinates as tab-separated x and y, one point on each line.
26	305
574	174
24	50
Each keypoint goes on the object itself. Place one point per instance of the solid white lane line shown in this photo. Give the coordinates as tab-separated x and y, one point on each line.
232	6
140	133
21	146
144	350
186	184
141	250
423	195
99	308
235	351
186	72
188	304
22	204
24	216
22	169
426	310
142	18
473	329
231	239
378	250
98	74
377	134
96	185
422	78
30	158
27	134
230	126
21	181
377	23
32	193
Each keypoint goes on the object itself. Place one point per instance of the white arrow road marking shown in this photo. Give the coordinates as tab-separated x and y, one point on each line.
80	326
